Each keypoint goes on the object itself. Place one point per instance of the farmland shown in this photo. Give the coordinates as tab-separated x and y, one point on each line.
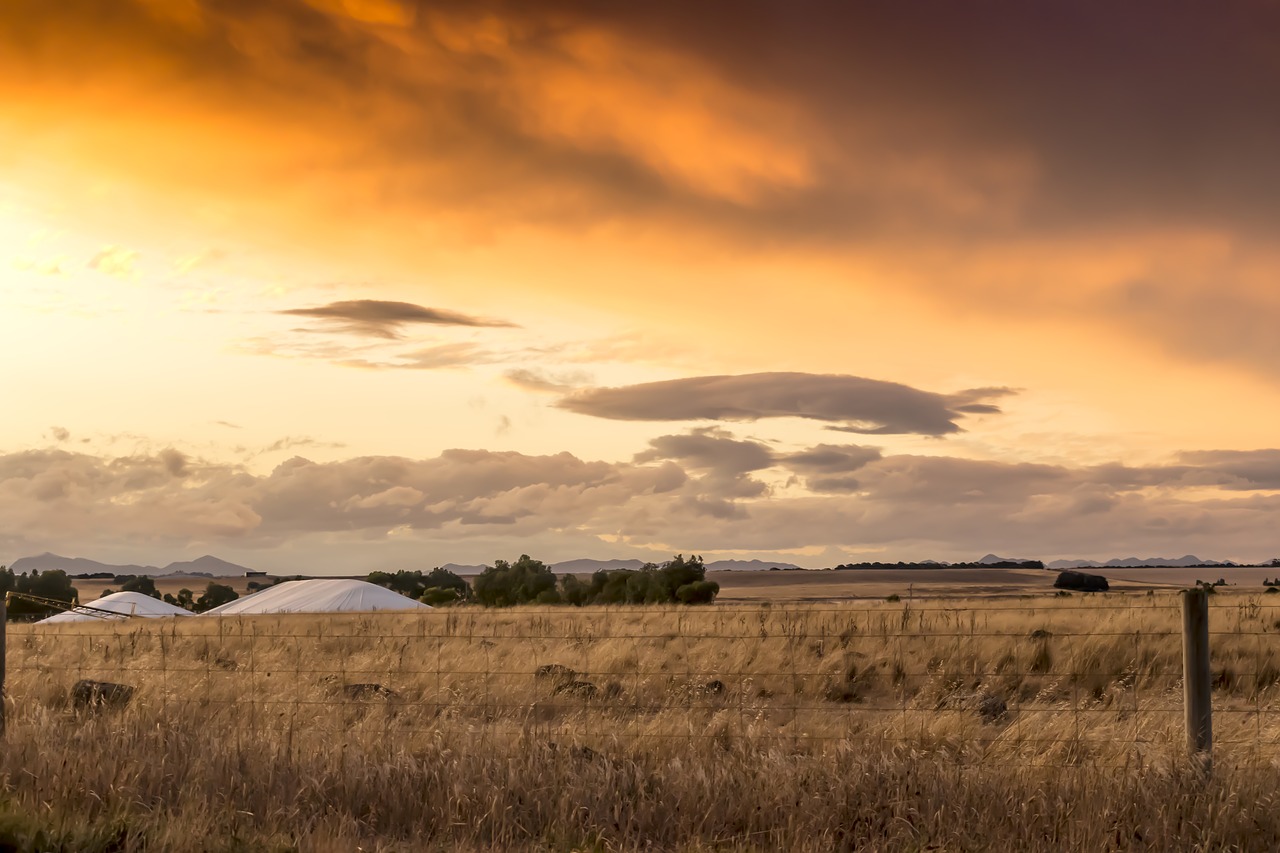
1031	723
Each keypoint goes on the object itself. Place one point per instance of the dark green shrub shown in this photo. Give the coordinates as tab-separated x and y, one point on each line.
215	595
440	597
698	592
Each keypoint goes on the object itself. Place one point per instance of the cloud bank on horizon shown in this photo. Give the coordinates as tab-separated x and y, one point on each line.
703	491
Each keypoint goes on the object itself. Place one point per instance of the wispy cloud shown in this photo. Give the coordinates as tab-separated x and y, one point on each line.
114	261
545	381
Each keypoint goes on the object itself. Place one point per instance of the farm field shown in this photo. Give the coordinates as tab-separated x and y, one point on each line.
829	586
1037	723
814	586
92	588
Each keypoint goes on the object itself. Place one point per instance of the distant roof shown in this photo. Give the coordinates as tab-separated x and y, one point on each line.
125	604
319	596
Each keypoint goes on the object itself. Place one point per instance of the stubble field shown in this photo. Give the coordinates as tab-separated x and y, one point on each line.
1036	723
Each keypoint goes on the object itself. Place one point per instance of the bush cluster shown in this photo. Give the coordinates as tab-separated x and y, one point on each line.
214	595
436	587
678	581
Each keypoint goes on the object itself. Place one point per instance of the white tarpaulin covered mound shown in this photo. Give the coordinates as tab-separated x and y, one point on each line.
319	596
125	604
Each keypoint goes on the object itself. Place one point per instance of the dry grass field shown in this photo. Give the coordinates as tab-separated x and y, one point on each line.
92	588
984	723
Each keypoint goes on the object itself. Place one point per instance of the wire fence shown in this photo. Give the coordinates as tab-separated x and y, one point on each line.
1052	683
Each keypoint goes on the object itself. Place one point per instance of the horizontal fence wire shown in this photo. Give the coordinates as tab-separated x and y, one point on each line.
1060	684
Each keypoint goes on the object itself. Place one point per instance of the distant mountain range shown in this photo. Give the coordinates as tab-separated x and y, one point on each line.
207	565
211	565
216	567
1139	562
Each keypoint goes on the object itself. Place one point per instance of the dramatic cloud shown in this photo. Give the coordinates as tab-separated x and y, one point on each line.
693	491
1078	198
967	151
858	405
380	319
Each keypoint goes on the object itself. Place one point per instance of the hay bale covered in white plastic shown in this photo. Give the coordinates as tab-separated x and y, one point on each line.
118	605
335	595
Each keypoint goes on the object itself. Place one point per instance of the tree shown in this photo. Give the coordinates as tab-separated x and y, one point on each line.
443	587
215	595
439	578
574	591
506	584
184	599
439	586
142	584
652	584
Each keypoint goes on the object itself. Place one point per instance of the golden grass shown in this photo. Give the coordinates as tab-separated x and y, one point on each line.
867	726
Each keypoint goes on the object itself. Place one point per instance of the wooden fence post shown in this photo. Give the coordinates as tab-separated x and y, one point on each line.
1197	683
4	629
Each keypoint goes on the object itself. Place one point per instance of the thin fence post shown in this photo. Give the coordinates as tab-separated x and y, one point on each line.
4	629
1196	678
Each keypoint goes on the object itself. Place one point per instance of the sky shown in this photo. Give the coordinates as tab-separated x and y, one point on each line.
330	286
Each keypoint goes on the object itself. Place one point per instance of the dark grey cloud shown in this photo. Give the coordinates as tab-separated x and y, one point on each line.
830	458
1243	470
711	449
384	319
853	403
723	462
829	468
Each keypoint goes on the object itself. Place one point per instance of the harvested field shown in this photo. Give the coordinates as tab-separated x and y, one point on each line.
974	724
818	586
91	588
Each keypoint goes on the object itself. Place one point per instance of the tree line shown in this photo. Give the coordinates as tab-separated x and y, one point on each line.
53	584
528	581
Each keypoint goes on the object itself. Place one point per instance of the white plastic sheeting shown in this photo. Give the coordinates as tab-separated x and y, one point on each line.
319	596
125	604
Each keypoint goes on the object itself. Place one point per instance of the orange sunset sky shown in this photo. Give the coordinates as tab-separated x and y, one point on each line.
342	285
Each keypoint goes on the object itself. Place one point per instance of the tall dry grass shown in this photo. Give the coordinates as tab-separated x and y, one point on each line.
981	724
